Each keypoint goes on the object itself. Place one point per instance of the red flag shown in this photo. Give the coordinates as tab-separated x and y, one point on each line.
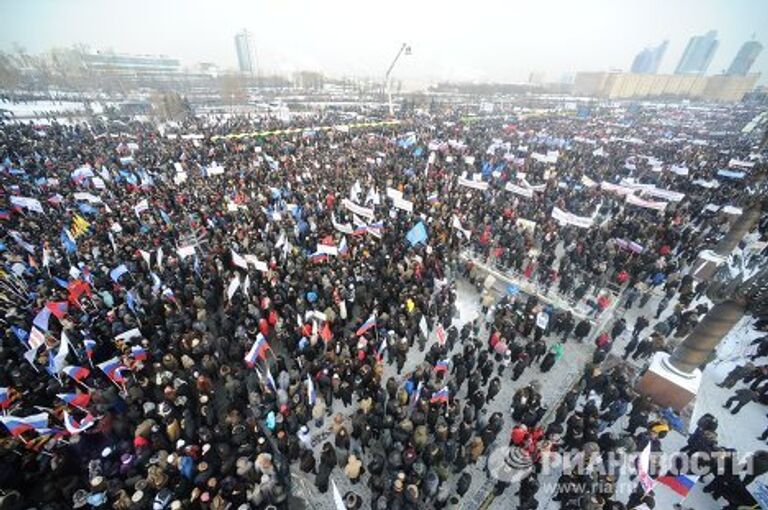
57	308
76	289
326	333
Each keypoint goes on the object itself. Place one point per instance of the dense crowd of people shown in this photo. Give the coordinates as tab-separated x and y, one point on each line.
188	318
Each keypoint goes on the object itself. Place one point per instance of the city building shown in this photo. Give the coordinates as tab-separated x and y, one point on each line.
744	59
246	52
698	54
616	85
648	60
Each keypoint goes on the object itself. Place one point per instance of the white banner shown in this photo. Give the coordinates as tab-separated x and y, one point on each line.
403	204
186	251
482	186
740	163
672	196
564	217
88	197
519	190
394	194
358	209
659	206
615	188
344	228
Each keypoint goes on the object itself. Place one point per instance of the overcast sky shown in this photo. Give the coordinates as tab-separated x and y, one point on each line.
473	40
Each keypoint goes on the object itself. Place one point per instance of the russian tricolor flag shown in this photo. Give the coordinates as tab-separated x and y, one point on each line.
682	484
17	425
90	346
75	399
258	351
441	366
376	228
318	257
360	230
75	372
440	396
113	369
75	427
367	325
382	349
343	247
138	353
5	398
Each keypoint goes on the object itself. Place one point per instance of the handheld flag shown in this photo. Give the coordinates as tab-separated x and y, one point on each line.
57	308
75	372
90	346
367	325
17	425
5	398
440	396
75	427
257	351
113	369
311	393
68	241
418	234
117	272
441	366
41	319
75	399
681	484
381	350
326	334
138	353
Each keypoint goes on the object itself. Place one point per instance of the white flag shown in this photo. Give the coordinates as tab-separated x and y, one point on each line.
233	286
238	260
142	206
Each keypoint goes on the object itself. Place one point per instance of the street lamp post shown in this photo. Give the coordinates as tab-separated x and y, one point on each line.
405	48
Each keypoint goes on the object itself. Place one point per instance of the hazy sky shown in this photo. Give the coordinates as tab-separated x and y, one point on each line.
477	40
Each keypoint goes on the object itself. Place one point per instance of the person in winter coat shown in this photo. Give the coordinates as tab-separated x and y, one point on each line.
582	330
493	389
554	354
354	469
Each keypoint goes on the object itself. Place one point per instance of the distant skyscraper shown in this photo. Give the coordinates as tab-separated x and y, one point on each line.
745	58
648	60
698	54
246	52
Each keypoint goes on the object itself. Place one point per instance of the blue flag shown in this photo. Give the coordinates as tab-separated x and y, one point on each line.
117	272
417	234
20	334
67	241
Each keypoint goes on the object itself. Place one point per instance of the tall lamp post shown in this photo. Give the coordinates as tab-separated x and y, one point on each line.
405	48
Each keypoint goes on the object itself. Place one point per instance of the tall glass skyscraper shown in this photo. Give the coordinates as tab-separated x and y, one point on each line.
648	60
745	58
246	52
698	54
